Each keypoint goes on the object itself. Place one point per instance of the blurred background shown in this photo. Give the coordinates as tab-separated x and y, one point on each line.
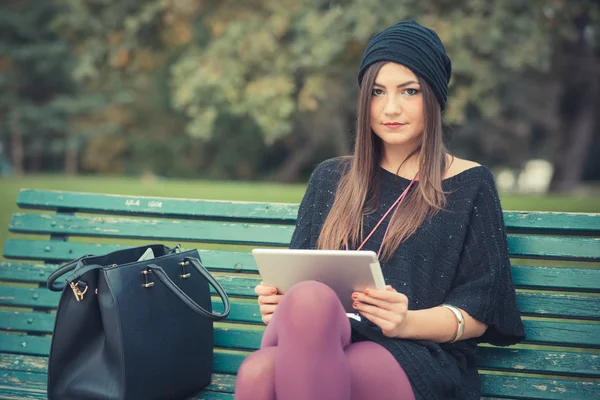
241	99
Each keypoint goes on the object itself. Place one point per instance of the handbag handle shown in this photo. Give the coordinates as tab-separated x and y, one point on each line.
70	266
51	282
187	300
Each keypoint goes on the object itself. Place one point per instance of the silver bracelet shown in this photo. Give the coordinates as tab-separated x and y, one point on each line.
461	322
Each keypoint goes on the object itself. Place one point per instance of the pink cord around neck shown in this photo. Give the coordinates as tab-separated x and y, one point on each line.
398	202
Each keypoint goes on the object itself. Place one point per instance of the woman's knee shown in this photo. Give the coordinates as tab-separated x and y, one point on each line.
312	309
312	298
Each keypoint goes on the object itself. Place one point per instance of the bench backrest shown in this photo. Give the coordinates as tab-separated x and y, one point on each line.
555	267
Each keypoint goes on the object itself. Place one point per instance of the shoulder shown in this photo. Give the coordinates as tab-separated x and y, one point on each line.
457	166
472	180
331	170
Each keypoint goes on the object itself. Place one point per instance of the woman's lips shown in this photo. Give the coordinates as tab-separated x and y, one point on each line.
394	125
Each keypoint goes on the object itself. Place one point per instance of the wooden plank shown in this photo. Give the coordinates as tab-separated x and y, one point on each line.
559	305
11	393
23	344
223	362
528	277
551	222
538	388
156	206
490	358
178	208
539	361
25	271
41	322
573	334
16	296
554	247
57	251
38	381
37	273
556	278
152	229
530	304
492	385
225	337
25	297
562	333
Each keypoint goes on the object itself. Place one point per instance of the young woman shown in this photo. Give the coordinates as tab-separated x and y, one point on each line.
437	224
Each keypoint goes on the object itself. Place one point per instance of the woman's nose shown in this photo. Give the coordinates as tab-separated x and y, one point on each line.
392	106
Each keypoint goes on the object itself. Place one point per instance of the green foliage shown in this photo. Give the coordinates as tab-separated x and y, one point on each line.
241	89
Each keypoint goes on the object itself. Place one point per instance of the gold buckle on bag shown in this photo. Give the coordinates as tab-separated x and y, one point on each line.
77	292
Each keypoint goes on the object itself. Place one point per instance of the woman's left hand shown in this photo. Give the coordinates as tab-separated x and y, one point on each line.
385	308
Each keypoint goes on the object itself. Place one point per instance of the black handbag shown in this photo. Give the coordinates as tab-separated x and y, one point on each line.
133	330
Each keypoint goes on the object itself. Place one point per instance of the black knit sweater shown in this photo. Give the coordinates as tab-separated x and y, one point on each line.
459	257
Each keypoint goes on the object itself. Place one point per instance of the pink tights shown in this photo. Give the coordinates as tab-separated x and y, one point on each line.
306	354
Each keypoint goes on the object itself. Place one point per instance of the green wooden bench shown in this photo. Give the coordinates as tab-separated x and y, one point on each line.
561	304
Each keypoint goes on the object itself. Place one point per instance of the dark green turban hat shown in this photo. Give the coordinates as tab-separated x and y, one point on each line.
416	47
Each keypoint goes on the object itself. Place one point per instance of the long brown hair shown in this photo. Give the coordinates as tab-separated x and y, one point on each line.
357	192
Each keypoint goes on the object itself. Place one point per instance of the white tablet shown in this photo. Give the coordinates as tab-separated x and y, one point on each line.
343	271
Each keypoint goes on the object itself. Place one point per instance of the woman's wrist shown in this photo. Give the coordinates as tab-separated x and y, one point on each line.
437	324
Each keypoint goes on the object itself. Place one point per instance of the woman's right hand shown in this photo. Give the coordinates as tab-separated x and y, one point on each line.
268	300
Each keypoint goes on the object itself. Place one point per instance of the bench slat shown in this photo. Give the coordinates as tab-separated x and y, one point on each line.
259	211
555	247
230	338
152	229
492	385
538	388
156	206
489	358
530	304
556	278
37	382
550	222
537	332
559	305
538	361
254	234
57	251
529	277
223	362
10	393
41	322
561	333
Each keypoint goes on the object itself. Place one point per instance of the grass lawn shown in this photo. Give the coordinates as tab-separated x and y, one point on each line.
248	191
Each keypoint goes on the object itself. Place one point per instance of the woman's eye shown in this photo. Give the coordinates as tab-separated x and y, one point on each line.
411	92
377	92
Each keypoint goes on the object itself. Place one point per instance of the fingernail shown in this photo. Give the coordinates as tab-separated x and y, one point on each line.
273	291
354	296
355	304
366	292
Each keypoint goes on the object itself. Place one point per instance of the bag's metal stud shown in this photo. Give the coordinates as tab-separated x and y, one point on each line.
147	283
184	273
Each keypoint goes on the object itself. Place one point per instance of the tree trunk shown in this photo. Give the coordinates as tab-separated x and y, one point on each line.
71	156
17	146
578	103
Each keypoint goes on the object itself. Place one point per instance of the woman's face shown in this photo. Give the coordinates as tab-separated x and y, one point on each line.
397	107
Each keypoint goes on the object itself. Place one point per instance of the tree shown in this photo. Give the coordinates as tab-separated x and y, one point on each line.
33	77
